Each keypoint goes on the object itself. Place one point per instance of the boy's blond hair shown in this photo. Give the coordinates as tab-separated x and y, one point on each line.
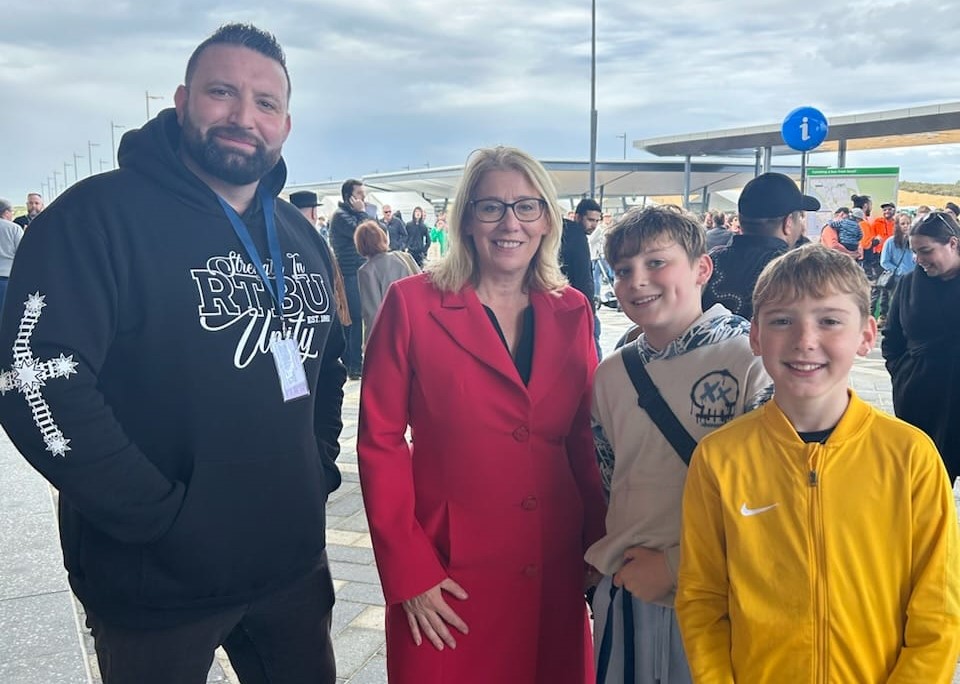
811	271
640	227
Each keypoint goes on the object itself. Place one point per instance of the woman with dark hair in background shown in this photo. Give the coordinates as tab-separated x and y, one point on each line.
418	236
921	342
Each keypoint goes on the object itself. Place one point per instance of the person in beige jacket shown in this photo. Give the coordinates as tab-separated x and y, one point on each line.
702	365
380	270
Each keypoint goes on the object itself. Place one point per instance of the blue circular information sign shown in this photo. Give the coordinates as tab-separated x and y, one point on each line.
804	128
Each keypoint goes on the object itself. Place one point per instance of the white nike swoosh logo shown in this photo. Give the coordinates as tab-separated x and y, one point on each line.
747	512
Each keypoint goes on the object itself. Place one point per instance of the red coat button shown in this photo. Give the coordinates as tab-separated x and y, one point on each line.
530	571
529	504
521	434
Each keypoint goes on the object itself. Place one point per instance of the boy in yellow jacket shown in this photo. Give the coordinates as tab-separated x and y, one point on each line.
819	537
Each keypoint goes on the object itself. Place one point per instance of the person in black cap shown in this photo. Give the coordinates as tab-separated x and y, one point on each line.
307	202
771	219
304	199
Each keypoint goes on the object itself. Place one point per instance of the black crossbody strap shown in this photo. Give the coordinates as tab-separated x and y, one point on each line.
651	401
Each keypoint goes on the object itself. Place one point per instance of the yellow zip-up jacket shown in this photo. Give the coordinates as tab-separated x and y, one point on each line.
819	563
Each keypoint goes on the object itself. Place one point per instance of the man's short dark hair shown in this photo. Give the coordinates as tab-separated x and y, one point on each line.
346	190
241	35
586	205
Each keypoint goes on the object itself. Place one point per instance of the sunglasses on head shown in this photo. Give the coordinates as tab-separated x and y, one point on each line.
944	217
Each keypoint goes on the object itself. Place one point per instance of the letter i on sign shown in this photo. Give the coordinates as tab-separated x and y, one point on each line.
805	129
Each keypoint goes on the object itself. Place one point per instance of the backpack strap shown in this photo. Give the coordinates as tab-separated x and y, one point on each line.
651	401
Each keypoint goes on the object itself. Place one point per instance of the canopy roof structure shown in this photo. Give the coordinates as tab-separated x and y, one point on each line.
915	126
613	179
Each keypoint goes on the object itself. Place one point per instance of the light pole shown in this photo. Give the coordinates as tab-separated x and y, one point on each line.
90	146
149	97
624	136
56	188
65	175
76	176
43	189
113	143
102	164
593	97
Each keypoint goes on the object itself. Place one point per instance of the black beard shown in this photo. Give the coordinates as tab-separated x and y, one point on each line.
228	165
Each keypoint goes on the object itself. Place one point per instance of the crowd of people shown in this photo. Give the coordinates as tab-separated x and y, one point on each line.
732	510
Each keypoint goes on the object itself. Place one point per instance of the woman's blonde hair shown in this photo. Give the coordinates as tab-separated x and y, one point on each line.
460	265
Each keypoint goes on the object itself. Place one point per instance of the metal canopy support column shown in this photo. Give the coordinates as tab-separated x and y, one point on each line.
705	199
841	154
767	159
593	99
758	160
686	182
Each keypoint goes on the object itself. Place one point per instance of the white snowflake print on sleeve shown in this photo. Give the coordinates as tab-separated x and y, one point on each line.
28	375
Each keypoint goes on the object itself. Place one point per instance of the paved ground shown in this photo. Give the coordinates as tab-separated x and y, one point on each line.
43	644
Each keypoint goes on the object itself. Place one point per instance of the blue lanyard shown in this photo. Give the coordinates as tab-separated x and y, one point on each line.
273	242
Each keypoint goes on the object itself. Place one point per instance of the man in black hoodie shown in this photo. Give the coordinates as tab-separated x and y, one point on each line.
174	374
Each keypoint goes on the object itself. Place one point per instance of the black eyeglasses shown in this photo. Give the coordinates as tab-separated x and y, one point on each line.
493	210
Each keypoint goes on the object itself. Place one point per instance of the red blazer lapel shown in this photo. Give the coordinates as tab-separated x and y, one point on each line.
464	319
556	321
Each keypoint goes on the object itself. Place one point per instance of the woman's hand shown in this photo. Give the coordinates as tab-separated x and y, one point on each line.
429	614
645	574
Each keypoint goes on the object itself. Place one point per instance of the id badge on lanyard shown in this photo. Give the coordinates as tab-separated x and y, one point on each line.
286	353
286	357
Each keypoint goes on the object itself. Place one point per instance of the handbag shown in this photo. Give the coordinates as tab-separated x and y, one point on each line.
888	279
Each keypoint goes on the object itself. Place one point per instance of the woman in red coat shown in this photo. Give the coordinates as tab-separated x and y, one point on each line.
479	526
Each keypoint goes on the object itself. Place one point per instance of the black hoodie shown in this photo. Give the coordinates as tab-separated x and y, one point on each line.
186	483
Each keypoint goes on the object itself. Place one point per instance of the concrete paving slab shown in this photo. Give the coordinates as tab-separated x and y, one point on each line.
362	593
40	631
345	612
352	572
350	554
31	562
354	647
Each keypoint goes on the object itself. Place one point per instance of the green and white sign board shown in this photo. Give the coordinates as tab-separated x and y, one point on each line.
835	187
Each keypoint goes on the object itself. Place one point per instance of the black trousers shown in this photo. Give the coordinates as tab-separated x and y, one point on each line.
353	352
283	638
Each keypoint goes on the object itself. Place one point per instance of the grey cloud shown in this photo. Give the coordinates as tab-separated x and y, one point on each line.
379	84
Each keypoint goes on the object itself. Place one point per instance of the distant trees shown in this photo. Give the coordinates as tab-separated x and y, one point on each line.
948	189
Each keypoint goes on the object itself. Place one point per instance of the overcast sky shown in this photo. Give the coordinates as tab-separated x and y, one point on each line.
379	85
